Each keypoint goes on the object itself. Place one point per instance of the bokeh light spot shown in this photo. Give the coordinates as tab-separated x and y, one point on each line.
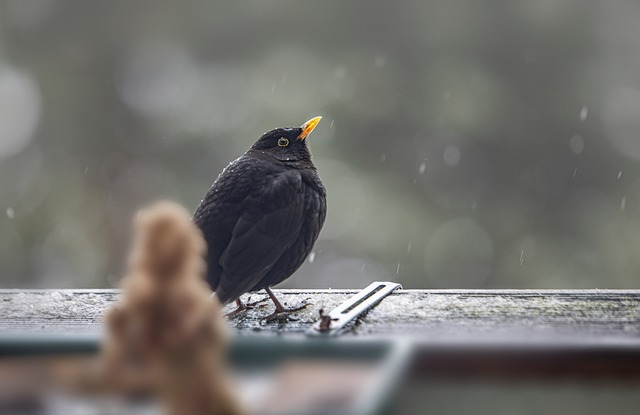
19	110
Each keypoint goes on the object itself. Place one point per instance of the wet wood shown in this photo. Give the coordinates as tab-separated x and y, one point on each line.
586	316
503	333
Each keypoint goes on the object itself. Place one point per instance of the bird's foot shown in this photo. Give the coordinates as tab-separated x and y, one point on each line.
284	313
242	307
254	304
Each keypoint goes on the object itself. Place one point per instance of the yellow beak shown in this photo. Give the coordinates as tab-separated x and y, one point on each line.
308	127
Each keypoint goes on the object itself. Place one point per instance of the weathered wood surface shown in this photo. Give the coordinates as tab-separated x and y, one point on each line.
585	317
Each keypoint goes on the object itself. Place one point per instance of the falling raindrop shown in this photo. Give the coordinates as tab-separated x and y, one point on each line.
619	174
623	203
575	171
331	126
383	157
521	257
409	247
583	113
422	168
451	156
112	279
576	144
398	269
11	213
312	257
379	61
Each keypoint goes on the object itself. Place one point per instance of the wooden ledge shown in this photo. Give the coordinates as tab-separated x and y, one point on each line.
588	333
583	316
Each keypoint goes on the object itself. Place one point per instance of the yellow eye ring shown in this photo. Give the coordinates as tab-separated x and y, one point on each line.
283	142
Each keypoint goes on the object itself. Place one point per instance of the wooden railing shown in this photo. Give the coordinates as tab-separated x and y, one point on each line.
487	332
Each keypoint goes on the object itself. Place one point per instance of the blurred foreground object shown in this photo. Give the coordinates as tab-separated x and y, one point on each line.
165	336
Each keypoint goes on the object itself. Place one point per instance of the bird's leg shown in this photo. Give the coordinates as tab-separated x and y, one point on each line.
242	307
280	309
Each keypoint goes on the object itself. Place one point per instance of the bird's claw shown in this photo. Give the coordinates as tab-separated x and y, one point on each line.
242	307
284	313
249	306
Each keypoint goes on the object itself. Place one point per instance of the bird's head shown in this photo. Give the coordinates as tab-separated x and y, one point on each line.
287	144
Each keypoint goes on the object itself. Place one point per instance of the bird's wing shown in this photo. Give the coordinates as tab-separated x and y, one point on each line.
267	227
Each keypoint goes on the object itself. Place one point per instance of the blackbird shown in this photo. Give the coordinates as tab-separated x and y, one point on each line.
262	215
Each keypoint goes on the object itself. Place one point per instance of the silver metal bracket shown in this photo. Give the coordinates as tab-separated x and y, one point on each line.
331	324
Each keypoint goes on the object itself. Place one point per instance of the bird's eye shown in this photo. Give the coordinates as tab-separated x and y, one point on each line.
283	142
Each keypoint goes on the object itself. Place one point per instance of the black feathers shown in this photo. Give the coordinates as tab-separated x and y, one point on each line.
262	215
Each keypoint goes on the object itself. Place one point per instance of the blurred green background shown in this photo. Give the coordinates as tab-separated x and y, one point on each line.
464	144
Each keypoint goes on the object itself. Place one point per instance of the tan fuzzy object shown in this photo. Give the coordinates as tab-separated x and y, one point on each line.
166	336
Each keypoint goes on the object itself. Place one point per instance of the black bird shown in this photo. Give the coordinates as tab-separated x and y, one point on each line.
262	215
